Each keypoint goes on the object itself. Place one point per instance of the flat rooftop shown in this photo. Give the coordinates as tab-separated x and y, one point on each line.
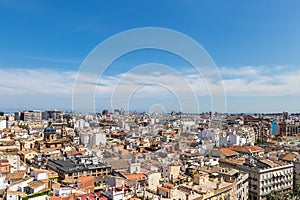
69	165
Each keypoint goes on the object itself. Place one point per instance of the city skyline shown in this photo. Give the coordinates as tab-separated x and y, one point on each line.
254	46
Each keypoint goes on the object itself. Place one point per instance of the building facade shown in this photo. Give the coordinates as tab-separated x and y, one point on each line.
265	175
70	169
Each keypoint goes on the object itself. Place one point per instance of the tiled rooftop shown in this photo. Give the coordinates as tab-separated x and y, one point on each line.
228	152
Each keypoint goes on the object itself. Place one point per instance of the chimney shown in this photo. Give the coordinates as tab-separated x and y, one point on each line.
218	186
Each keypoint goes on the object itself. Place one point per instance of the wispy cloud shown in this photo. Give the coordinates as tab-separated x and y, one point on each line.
35	82
247	81
50	59
261	81
28	7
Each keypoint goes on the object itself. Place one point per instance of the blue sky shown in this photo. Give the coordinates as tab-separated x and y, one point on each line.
255	44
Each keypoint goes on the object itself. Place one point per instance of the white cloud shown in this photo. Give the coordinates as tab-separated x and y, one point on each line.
275	81
241	71
238	82
35	81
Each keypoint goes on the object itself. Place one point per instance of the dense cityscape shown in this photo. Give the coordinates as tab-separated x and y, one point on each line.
124	155
149	100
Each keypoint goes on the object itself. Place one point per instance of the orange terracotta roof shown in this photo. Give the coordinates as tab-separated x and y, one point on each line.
228	152
199	175
85	178
68	198
169	185
72	152
89	196
83	152
192	154
255	148
122	187
55	198
163	188
55	186
181	177
289	157
246	149
239	161
138	176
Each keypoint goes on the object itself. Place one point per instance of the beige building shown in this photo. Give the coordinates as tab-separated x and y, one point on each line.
171	172
167	191
265	175
52	139
153	180
226	184
32	115
241	182
115	181
27	156
13	159
27	144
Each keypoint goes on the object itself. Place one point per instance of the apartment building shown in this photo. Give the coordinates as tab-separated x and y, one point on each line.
70	169
265	175
31	115
224	184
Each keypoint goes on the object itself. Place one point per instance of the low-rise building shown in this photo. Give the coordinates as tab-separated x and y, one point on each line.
153	180
171	172
34	187
83	166
248	150
224	184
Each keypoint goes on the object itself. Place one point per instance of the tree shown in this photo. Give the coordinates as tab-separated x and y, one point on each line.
296	190
275	195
